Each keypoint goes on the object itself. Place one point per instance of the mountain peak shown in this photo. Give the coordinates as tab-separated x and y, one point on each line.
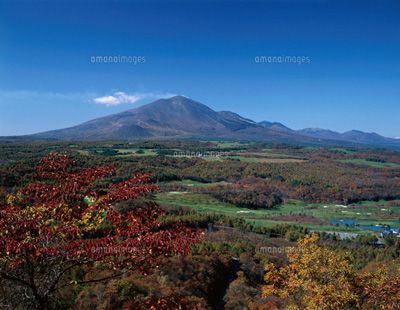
179	97
176	104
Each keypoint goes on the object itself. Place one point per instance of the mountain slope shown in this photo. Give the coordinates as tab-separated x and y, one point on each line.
176	116
276	126
165	117
181	117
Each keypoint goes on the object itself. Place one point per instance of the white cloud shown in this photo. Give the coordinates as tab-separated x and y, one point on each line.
117	98
121	97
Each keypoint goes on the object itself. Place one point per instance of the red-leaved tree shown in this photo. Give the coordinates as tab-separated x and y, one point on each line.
62	221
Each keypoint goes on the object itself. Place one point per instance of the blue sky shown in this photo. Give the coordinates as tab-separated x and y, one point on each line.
205	50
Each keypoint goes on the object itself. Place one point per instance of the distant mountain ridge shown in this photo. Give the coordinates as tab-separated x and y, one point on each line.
355	136
181	117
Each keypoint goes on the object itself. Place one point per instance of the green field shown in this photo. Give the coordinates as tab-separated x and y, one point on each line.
313	227
193	184
272	158
342	150
230	145
368	215
136	152
120	152
370	163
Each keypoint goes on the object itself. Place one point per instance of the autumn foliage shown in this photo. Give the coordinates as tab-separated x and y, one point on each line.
62	220
312	278
381	287
317	277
